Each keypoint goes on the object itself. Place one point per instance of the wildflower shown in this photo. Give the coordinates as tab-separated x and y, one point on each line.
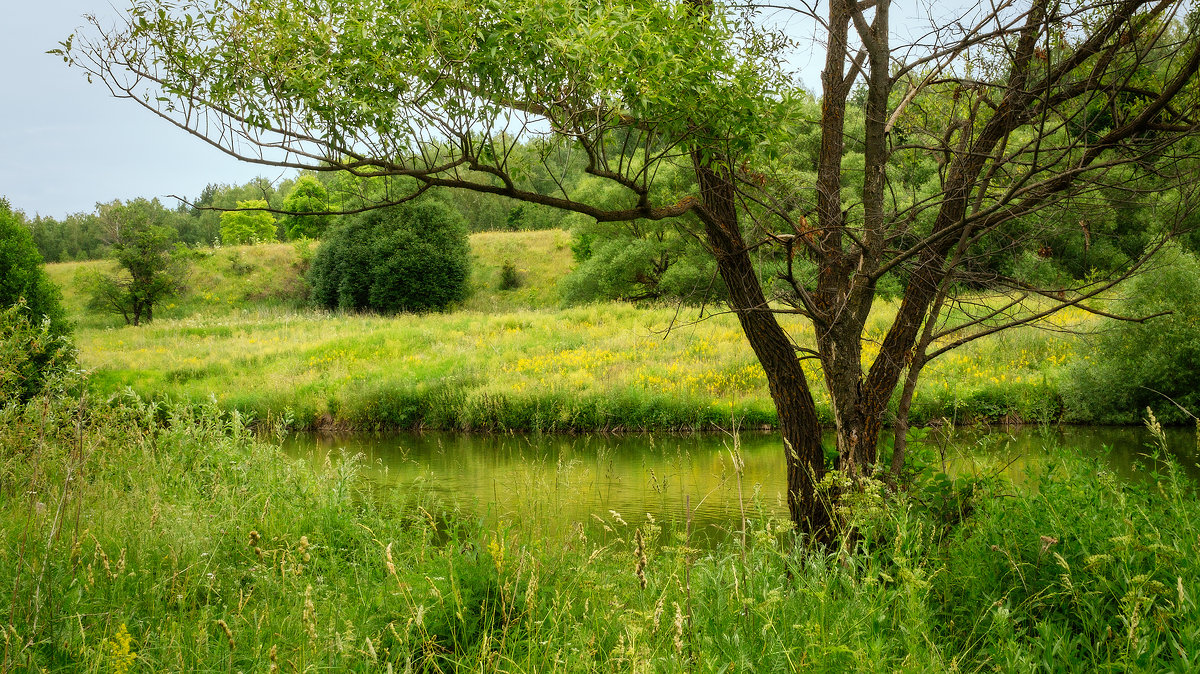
1047	541
119	652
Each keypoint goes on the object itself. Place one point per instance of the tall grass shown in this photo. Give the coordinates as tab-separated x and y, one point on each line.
142	537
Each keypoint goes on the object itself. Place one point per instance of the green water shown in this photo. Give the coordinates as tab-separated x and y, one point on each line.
610	482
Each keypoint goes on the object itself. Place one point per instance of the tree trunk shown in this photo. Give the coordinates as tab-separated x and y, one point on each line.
803	454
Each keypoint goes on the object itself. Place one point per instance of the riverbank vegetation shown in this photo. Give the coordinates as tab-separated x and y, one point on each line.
138	536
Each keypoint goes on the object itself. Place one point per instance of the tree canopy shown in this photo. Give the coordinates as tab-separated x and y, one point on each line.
249	223
307	199
943	160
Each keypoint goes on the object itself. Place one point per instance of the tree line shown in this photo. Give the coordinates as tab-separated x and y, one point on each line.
281	211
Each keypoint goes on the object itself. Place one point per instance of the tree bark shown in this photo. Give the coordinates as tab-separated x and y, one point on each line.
798	424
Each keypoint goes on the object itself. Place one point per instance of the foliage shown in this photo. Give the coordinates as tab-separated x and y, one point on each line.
639	259
307	195
1150	364
22	275
414	257
84	236
246	225
997	123
148	268
78	236
1092	569
31	353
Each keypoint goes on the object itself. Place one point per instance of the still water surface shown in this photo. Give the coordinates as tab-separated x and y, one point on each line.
558	482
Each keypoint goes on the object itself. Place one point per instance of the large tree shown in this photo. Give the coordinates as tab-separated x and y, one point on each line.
1021	109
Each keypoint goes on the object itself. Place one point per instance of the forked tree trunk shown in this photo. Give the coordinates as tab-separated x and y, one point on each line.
798	424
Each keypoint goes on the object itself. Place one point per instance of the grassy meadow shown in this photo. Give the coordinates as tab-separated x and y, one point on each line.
505	360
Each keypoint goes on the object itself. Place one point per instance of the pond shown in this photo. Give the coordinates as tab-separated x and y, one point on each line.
609	482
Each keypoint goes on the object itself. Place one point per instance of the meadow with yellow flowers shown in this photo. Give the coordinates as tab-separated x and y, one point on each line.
505	360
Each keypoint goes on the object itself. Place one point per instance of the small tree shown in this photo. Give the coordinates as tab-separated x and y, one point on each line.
32	352
147	270
247	224
307	196
414	257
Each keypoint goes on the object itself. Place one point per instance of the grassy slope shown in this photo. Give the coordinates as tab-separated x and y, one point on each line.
505	360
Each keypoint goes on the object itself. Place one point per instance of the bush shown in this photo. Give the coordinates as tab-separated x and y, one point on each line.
1134	365
31	354
510	279
414	257
33	325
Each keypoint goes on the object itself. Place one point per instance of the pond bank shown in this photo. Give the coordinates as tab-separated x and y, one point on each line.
132	542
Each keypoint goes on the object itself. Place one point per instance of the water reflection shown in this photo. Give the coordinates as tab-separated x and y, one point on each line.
608	482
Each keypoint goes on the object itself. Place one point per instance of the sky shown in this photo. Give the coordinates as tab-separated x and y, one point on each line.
66	145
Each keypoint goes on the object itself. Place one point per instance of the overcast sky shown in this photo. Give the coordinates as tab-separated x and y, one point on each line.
66	144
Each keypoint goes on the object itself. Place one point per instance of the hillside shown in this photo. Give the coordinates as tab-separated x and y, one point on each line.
270	276
506	360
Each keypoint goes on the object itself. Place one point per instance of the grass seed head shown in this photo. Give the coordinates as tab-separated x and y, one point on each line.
391	564
640	561
310	614
228	632
678	628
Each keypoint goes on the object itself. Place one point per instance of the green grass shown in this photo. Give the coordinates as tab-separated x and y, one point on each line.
507	359
141	538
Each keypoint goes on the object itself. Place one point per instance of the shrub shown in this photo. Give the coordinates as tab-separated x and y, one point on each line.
510	279
414	257
31	354
33	325
1134	365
